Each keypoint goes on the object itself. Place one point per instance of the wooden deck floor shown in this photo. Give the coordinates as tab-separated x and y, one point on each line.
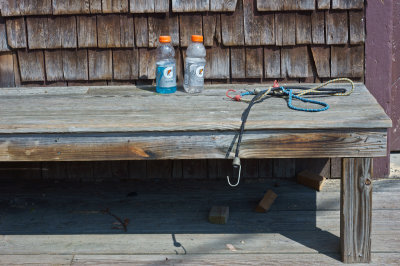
73	223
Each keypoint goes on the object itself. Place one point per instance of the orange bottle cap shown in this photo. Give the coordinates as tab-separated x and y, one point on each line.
164	39
197	38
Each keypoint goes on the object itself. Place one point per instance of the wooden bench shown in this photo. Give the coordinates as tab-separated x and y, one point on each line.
131	123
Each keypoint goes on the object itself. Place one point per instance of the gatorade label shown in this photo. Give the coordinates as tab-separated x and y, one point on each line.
166	76
195	74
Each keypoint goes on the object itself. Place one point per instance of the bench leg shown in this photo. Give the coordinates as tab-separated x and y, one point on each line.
356	210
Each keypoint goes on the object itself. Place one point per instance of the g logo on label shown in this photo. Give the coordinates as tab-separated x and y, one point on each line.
169	72
200	71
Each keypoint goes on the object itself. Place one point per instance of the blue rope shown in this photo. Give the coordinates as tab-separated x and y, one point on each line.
291	106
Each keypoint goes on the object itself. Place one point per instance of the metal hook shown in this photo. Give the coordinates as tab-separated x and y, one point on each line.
235	164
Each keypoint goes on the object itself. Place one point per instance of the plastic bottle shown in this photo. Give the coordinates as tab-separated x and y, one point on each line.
194	65
165	66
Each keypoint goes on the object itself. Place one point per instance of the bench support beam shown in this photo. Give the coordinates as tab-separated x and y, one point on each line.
356	210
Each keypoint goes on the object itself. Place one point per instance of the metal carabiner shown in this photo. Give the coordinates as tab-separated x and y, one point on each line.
236	165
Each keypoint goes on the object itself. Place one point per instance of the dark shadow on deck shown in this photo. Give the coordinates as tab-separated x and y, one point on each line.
162	207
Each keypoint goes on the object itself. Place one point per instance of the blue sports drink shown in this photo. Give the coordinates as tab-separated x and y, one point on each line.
165	66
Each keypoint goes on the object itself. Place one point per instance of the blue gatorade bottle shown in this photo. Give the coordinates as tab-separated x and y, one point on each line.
165	66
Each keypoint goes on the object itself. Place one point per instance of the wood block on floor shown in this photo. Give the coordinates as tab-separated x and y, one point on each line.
219	215
311	180
266	202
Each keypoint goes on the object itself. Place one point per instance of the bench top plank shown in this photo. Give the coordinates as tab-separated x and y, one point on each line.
104	109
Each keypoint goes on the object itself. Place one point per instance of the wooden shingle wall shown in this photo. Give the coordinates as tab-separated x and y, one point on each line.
90	42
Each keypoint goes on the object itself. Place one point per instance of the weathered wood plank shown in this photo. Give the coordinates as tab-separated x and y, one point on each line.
25	7
17	75
347	4
259	29
324	4
71	7
356	210
141	6
161	6
3	36
209	28
347	61
125	64
100	64
285	27
36	259
16	33
321	56
147	63
303	28
163	24
238	62
217	63
54	65
68	34
295	62
31	64
115	6
254	62
357	27
336	27
190	6
95	6
188	26
87	31
37	29
277	5
272	62
223	5
75	64
127	31
318	27
98	147
232	27
141	31
108	31
7	70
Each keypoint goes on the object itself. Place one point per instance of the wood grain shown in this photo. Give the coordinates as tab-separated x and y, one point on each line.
303	28
272	62
254	62
357	27
295	62
321	56
232	27
207	145
318	27
75	64
7	70
115	6
142	6
223	5
347	4
190	6
210	28
285	28
217	59
125	64
54	65
278	5
147	62
24	7
87	31
347	61
16	33
31	65
238	62
95	6
336	27
259	28
356	210
324	4
141	31
3	36
161	6
108	31
100	64
127	36
71	7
